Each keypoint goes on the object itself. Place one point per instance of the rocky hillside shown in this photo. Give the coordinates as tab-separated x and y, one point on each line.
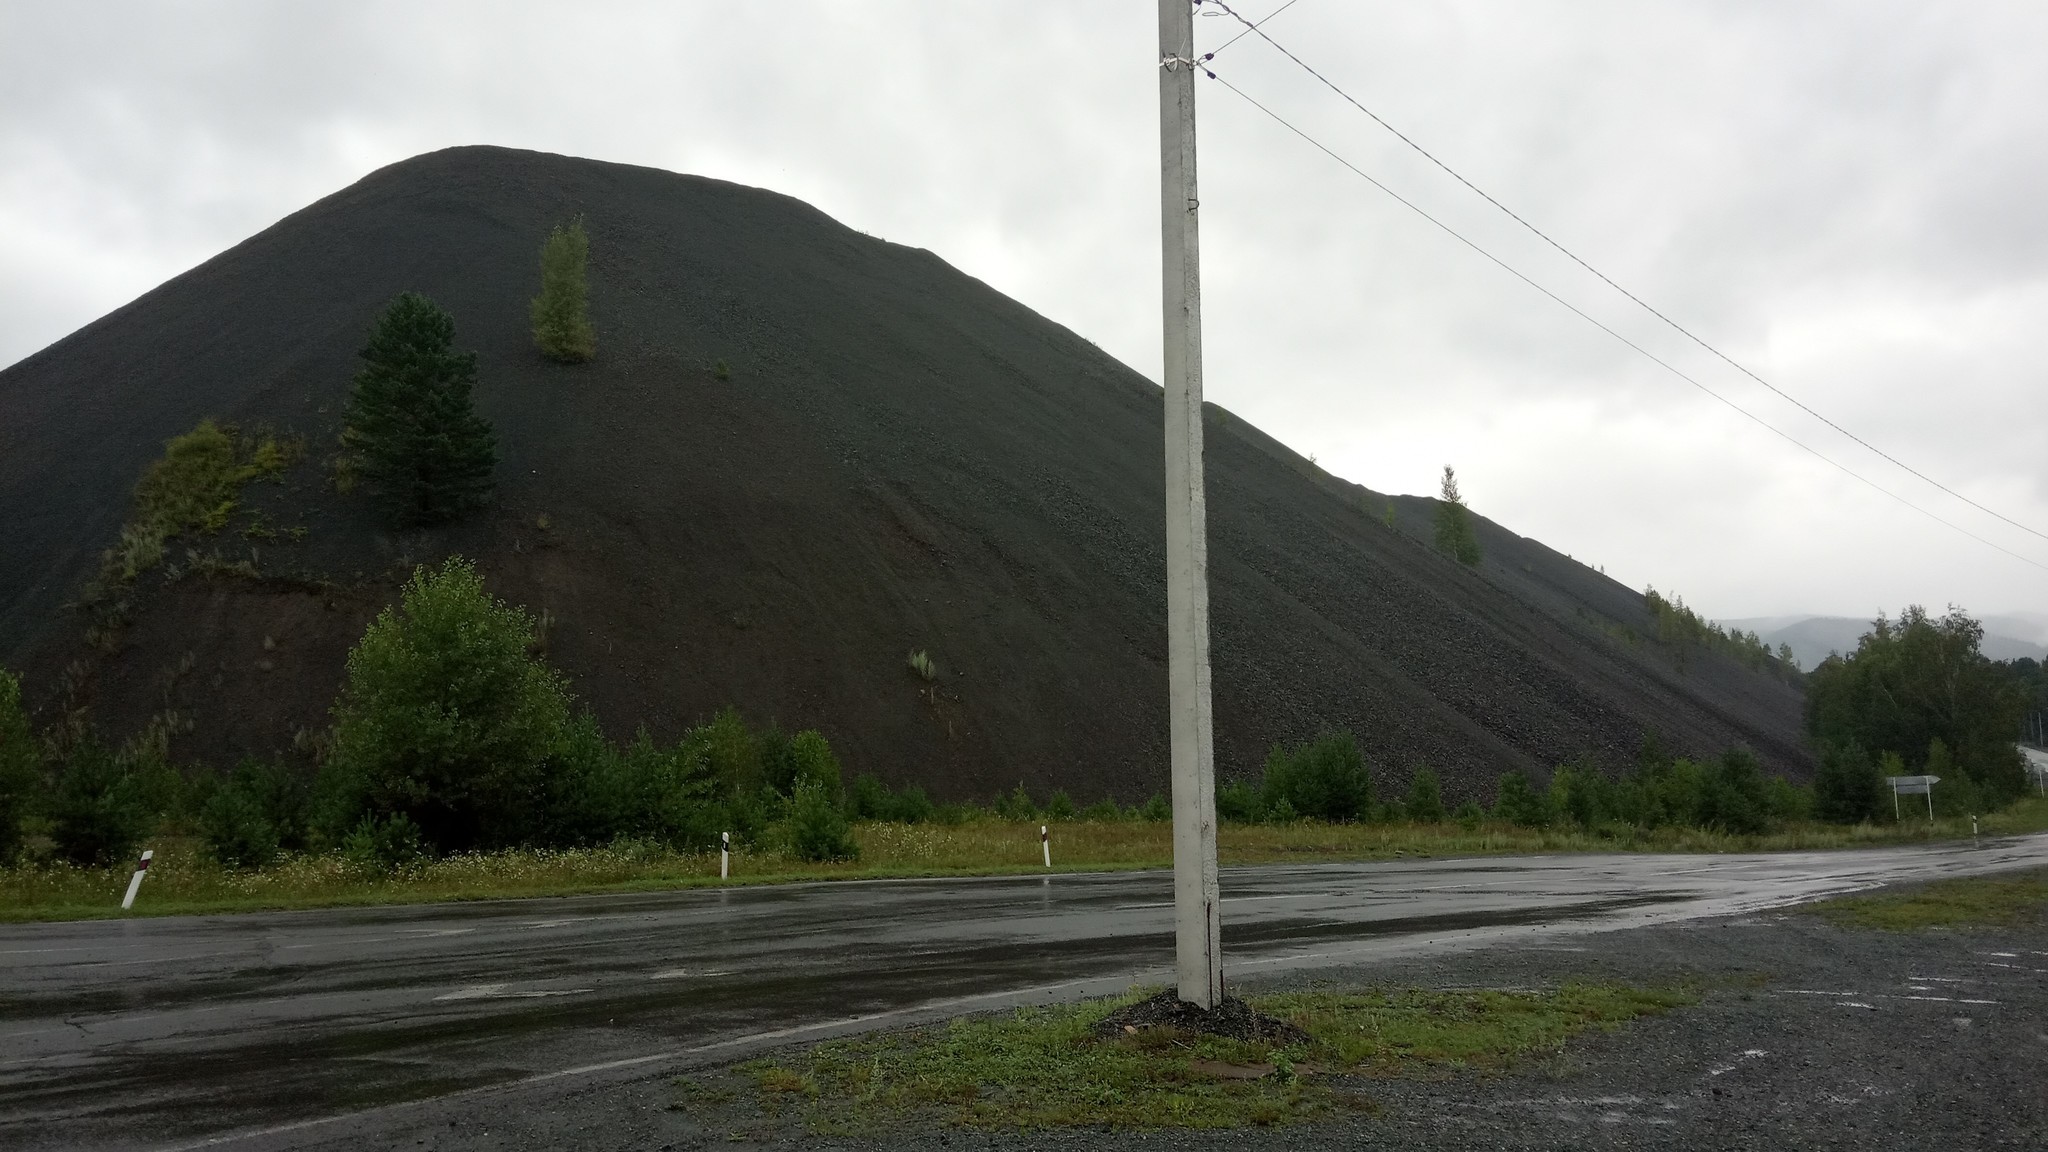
800	453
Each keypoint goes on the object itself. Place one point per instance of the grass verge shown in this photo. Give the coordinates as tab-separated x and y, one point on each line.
184	880
1044	1067
1975	902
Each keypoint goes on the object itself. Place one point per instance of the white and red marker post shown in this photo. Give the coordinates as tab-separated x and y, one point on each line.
135	883
1045	843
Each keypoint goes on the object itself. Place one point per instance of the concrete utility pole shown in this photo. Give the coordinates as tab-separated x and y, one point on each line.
1197	919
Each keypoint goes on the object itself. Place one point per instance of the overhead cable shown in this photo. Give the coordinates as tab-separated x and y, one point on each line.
1583	315
1249	28
1252	28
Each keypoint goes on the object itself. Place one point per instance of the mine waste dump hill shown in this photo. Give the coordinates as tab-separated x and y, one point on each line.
800	454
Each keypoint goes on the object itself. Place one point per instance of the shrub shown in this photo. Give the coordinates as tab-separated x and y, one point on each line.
921	665
1736	798
667	795
1060	806
1786	801
97	814
236	831
412	424
1675	793
1017	805
1238	802
257	811
1103	811
445	719
733	754
1848	789
379	844
1425	797
561	313
1324	780
817	825
199	478
870	799
811	761
194	486
1580	795
19	768
1517	803
1157	809
1469	815
597	793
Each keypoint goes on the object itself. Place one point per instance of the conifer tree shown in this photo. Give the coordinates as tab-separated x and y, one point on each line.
1454	535
19	769
412	424
561	313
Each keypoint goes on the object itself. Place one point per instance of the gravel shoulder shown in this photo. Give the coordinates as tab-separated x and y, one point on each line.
1807	1036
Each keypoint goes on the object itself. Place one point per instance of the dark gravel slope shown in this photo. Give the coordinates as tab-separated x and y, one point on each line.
901	458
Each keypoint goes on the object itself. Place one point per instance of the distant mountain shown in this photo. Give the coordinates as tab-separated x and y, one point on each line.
2006	637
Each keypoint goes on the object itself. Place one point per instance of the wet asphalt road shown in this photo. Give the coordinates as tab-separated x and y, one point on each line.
275	1029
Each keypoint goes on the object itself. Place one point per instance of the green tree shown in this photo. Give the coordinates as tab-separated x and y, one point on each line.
19	767
445	718
1322	780
1848	788
255	812
1579	795
1239	803
1425	797
1517	803
97	811
1454	533
1736	798
561	313
1921	679
818	829
412	428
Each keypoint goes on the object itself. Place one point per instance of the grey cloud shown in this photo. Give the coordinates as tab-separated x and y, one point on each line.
1844	196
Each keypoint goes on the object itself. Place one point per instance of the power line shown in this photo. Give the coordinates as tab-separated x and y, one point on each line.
1250	28
1583	315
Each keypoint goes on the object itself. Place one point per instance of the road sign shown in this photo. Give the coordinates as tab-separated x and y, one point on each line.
1913	786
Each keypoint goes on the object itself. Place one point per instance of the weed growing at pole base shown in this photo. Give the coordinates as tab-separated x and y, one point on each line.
1040	1068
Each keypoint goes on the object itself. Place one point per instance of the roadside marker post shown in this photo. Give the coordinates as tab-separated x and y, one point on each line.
1913	786
724	855
1045	842
135	882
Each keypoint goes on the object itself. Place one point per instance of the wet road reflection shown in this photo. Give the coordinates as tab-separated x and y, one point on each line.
166	1031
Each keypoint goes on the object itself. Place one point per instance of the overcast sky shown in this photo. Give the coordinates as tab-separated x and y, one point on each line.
1851	199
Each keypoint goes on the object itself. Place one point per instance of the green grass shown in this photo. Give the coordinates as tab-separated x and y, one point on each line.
194	487
1043	1068
1976	902
184	880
